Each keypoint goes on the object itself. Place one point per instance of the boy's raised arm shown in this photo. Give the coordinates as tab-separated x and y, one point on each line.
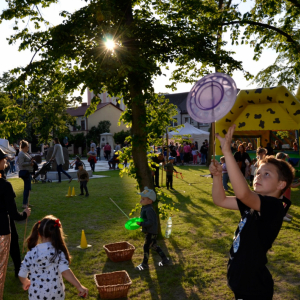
237	179
218	194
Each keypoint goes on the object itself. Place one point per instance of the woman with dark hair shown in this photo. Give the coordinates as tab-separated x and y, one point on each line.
60	161
8	234
240	157
25	169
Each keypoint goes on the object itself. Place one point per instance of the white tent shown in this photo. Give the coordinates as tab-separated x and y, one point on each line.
196	134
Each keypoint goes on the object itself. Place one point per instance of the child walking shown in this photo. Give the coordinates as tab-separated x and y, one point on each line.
47	262
225	177
169	168
83	178
195	156
150	228
261	212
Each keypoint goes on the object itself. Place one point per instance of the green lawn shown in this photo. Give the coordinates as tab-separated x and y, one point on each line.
199	244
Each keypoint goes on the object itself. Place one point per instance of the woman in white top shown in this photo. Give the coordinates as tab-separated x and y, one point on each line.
59	157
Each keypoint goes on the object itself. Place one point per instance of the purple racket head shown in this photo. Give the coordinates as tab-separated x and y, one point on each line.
211	98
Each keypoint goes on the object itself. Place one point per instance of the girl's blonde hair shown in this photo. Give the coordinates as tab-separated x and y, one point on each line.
49	227
222	158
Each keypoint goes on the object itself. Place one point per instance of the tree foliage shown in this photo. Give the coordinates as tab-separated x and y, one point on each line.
94	132
119	137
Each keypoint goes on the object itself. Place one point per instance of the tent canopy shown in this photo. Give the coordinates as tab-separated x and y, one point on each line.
189	129
196	134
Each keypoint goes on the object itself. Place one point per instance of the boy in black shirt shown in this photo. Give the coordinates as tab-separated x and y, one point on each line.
150	228
261	211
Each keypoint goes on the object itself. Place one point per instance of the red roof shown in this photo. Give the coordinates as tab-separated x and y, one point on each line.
80	111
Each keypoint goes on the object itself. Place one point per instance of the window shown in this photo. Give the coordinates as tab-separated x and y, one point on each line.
74	128
173	122
82	124
186	120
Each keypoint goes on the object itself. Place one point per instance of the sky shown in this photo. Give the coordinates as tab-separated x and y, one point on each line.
10	57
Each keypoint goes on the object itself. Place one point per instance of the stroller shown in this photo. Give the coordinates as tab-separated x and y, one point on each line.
43	173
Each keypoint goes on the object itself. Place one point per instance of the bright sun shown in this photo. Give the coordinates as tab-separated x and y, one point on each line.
110	45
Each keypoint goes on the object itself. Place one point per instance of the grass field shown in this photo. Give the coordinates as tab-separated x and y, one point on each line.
199	244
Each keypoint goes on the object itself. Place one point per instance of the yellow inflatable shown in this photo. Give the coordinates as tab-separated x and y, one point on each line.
258	111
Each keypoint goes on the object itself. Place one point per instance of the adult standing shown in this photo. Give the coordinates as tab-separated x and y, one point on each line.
118	147
269	149
58	155
25	169
93	145
156	161
240	157
277	145
92	158
187	150
8	212
107	150
98	152
203	151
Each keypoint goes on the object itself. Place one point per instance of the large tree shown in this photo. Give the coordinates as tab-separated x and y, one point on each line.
147	34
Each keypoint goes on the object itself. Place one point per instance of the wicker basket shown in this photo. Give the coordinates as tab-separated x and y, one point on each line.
119	251
113	285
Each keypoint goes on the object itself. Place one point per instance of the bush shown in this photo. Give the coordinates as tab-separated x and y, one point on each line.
120	137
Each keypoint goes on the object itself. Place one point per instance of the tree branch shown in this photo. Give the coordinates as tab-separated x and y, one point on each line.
289	38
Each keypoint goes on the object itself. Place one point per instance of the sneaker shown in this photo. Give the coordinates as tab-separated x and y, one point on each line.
164	262
87	195
82	194
286	219
142	267
172	189
70	179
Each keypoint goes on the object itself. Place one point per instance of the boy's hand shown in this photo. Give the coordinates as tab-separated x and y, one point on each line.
215	168
226	141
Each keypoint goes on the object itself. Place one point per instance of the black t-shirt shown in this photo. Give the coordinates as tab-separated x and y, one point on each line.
239	156
247	272
8	207
203	149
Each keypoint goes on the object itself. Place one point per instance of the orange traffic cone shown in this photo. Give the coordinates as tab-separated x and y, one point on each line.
83	242
73	192
69	192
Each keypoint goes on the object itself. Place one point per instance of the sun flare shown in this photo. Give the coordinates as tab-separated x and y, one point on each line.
110	44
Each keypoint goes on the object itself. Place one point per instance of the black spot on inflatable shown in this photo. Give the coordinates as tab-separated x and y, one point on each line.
280	102
266	140
231	112
259	100
224	131
286	94
272	112
258	91
251	102
227	120
262	124
257	116
269	98
242	124
273	87
297	112
276	120
241	106
293	103
287	111
247	115
247	92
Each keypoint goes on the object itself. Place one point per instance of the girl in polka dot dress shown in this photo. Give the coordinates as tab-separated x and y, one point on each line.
47	262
